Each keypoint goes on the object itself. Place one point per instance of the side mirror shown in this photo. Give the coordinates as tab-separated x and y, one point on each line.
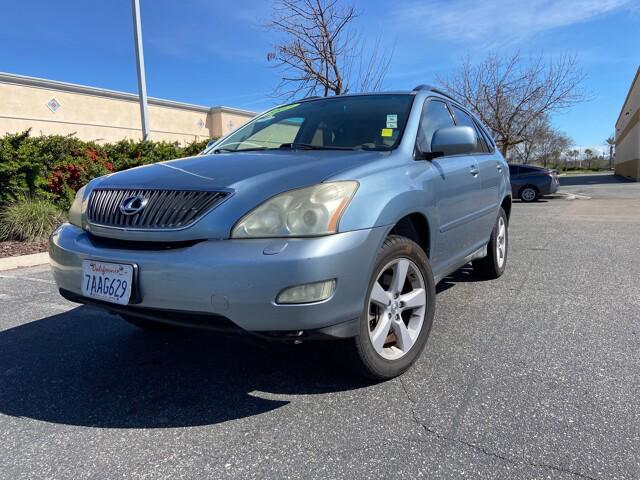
454	140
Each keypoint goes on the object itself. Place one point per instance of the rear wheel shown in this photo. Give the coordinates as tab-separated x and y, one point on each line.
398	310
494	264
529	193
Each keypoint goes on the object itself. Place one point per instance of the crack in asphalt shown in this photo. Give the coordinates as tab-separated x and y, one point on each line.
480	448
472	387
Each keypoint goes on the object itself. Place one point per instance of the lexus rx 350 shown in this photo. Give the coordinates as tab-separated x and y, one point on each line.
324	218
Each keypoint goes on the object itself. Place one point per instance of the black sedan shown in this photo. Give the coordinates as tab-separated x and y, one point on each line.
529	183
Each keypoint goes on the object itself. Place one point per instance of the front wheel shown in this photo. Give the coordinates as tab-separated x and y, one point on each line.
398	310
493	265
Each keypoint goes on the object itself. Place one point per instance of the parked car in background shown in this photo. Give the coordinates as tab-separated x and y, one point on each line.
529	183
325	218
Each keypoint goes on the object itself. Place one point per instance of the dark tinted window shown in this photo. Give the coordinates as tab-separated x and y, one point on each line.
435	115
488	143
513	170
465	120
525	169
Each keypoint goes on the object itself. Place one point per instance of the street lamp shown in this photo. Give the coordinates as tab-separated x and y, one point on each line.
142	83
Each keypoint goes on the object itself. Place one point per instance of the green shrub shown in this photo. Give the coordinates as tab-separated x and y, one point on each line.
28	220
53	167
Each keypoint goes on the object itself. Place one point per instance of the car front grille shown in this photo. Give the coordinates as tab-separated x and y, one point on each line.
164	209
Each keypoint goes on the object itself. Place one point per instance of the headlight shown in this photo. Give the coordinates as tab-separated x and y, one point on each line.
305	212
75	212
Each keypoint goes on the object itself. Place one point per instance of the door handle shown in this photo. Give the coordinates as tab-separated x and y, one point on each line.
474	170
499	167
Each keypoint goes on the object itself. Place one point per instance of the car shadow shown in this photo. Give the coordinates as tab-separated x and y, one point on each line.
539	201
465	274
89	368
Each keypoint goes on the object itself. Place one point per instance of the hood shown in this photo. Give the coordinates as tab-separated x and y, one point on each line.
250	178
280	170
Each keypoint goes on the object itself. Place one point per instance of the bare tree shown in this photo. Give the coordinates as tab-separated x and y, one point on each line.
551	147
588	156
320	53
542	143
509	94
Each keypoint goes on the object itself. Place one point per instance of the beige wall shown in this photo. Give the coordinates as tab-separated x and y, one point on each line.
106	116
227	121
627	161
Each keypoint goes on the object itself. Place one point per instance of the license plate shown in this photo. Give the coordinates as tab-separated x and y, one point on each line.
110	282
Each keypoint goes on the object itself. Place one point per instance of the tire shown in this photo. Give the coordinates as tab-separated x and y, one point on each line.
493	265
529	193
397	347
148	325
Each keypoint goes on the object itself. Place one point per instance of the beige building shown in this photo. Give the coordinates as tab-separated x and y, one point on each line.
627	161
51	107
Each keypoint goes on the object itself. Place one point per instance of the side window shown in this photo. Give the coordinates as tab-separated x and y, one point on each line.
486	141
488	138
435	115
465	120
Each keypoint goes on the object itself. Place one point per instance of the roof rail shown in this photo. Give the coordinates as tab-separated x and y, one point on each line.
433	89
423	86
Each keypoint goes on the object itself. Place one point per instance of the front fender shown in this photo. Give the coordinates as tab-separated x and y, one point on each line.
386	199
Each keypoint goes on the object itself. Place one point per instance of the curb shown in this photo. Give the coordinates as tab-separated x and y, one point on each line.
569	196
10	263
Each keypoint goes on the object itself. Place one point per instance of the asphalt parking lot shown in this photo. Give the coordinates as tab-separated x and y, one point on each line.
533	375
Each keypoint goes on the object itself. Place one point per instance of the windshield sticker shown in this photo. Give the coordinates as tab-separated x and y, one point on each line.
283	109
386	132
392	121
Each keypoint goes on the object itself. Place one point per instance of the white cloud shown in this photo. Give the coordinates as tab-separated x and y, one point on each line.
500	22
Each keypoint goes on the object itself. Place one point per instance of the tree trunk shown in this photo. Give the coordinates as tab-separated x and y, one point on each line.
504	149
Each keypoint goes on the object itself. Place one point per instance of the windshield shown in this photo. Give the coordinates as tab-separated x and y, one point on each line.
369	122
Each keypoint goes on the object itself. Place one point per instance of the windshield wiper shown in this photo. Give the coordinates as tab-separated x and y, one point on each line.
308	146
233	150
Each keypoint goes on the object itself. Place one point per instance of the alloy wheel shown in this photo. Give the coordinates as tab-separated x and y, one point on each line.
501	242
529	195
397	306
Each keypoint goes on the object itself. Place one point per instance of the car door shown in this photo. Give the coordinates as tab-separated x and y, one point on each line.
455	186
489	178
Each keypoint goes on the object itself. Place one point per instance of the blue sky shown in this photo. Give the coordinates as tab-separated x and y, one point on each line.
215	52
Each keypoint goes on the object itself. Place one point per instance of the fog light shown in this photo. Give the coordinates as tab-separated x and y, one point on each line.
307	293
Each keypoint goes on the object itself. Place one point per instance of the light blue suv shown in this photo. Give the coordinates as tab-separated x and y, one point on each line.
325	218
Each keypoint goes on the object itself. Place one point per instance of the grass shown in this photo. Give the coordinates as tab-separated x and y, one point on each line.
29	220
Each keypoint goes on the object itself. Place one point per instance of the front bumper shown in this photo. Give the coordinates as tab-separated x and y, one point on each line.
235	279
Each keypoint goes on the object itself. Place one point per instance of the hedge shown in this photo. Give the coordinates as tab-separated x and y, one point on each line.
54	167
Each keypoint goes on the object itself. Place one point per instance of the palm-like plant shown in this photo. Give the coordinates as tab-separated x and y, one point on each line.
611	141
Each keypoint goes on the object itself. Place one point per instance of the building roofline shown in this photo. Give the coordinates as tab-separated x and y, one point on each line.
626	99
240	111
12	78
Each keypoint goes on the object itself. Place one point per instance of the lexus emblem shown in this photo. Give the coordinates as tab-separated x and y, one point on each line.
132	205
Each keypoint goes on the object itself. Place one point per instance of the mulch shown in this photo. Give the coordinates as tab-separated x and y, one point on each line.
11	248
